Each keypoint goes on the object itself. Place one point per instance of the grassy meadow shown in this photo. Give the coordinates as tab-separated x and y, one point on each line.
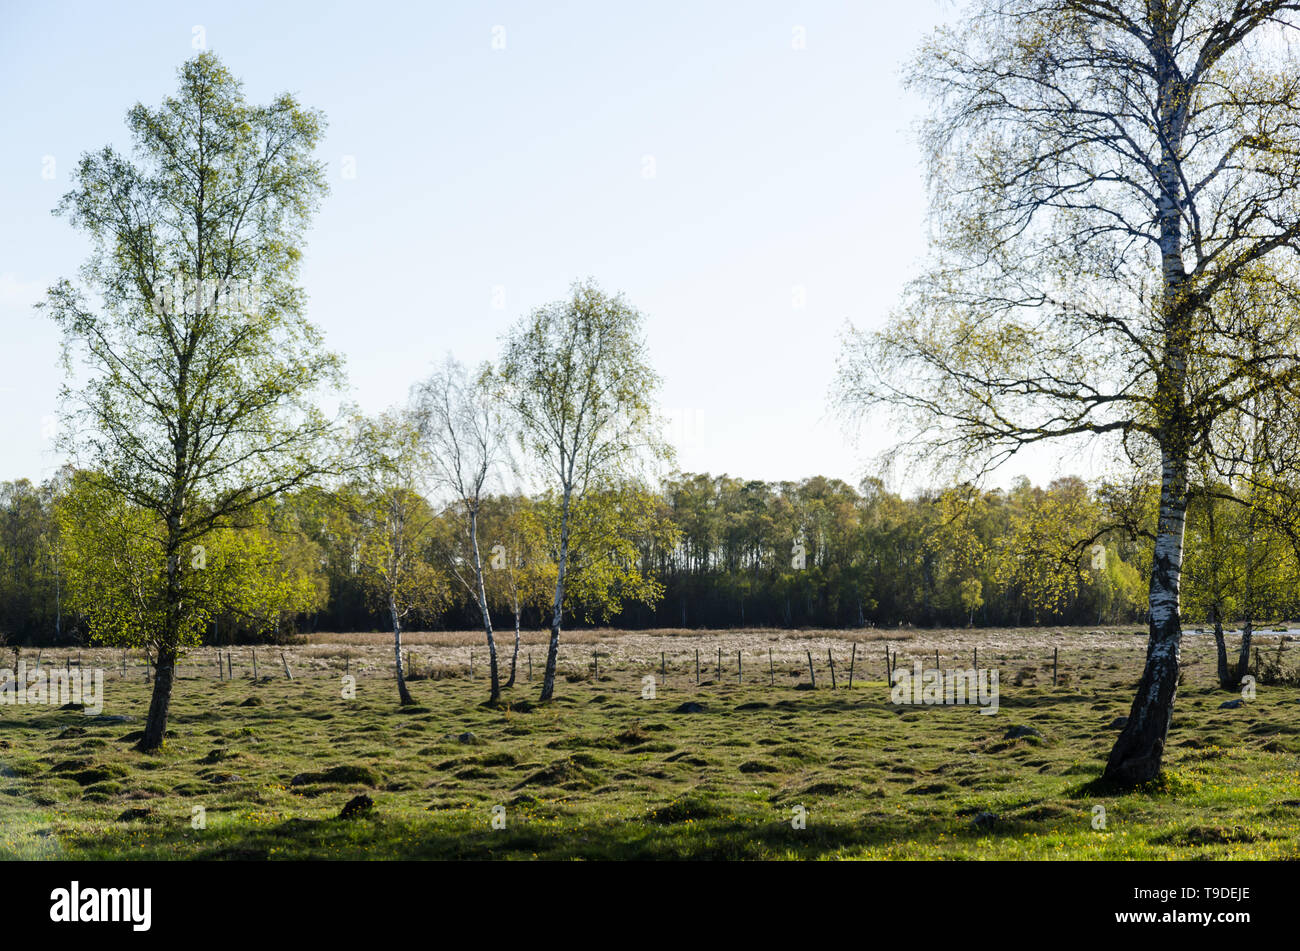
263	767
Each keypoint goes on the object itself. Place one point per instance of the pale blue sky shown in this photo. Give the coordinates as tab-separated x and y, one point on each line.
497	176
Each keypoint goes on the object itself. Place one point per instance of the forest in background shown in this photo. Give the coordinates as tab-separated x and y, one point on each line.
706	551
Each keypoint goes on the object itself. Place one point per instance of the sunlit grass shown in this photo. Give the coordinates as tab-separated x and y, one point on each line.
603	773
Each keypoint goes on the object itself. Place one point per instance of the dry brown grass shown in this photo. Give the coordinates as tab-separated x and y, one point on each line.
955	639
440	654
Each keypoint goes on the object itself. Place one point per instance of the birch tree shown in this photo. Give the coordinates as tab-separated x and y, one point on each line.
1104	173
577	377
1244	553
465	442
199	367
396	525
517	577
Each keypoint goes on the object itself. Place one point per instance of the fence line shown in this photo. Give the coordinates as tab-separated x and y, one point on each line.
674	669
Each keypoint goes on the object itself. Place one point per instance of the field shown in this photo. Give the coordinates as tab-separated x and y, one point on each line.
258	769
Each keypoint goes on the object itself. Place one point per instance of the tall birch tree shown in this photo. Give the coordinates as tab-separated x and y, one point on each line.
1104	173
395	524
465	442
518	577
199	367
577	377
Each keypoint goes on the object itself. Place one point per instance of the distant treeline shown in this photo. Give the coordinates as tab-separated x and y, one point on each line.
819	553
718	552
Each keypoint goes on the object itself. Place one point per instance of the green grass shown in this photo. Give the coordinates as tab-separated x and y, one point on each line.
601	773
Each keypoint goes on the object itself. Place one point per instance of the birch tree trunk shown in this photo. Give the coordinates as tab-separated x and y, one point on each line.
1137	754
481	594
155	728
403	694
514	658
1243	655
1248	625
557	614
1221	649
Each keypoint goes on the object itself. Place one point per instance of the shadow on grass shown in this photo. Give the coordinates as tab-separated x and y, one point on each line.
1166	784
690	834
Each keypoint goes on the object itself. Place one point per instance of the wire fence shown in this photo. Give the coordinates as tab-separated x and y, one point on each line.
795	665
801	665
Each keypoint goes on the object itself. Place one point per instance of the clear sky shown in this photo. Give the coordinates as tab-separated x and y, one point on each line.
746	173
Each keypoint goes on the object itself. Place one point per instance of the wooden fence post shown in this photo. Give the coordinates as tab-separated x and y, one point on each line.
740	677
284	660
771	666
853	656
1055	651
254	664
812	673
697	666
831	658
